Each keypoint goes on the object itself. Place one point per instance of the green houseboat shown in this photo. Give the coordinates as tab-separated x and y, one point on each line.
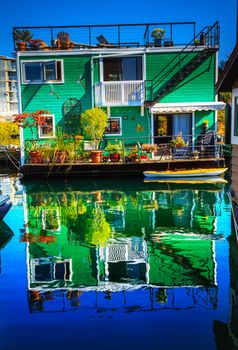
154	83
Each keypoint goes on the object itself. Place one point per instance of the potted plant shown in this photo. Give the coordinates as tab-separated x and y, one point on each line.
178	141
158	35
93	123
114	150
22	38
32	120
133	154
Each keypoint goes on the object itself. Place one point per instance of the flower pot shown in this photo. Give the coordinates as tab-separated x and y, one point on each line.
35	157
115	157
158	42
60	157
21	46
96	156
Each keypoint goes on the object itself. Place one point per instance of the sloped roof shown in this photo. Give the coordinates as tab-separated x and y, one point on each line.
229	74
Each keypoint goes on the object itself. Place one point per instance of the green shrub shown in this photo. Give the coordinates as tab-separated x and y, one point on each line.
93	123
8	130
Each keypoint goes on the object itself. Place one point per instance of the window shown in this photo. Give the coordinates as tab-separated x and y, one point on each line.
122	68
46	127
42	72
236	118
113	127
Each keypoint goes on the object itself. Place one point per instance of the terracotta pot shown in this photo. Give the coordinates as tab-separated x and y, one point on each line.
115	157
35	157
21	46
60	157
96	156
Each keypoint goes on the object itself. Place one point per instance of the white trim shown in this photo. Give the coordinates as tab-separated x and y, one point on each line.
234	139
186	107
42	81
193	129
53	128
106	51
101	70
92	82
22	158
117	134
152	127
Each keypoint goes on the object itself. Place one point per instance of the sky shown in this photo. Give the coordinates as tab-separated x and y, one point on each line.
78	12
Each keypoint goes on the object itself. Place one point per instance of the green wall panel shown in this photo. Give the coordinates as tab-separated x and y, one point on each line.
199	86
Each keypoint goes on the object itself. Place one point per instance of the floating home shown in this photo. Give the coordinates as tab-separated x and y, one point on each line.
228	81
155	81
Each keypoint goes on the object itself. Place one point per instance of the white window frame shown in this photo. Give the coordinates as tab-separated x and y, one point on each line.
101	67
43	74
53	128
120	121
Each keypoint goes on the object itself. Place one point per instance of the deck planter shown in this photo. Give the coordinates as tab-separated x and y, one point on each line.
96	156
35	157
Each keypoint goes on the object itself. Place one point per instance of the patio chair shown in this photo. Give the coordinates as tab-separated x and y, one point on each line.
208	148
103	42
63	42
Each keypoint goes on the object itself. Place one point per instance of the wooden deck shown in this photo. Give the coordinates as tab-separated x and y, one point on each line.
120	168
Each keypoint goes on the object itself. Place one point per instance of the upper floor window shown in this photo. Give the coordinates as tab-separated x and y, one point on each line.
42	72
122	68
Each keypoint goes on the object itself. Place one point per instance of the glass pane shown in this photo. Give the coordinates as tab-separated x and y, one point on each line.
132	68
112	69
46	127
50	71
113	126
236	118
33	71
182	124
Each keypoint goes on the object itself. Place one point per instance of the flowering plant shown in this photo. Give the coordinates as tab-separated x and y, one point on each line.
158	33
149	147
32	120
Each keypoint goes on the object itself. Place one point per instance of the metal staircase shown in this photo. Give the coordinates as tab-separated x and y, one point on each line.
183	64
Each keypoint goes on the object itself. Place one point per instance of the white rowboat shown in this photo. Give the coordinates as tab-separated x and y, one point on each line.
181	173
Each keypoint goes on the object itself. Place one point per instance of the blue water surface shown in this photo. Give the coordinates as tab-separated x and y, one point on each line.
123	264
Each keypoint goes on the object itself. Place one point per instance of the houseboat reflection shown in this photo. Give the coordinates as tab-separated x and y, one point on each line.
121	249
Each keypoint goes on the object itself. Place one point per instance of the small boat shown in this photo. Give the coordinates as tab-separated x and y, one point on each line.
181	173
5	205
189	180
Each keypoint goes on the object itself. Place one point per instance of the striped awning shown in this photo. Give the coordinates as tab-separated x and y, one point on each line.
187	107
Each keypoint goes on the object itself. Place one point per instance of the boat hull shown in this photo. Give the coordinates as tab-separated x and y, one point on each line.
185	173
5	206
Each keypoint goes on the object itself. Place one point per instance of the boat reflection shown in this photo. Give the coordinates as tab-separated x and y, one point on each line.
121	249
5	237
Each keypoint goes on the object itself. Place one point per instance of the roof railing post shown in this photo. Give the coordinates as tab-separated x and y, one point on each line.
119	35
89	36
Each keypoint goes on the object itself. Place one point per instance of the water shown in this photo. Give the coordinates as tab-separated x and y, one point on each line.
117	264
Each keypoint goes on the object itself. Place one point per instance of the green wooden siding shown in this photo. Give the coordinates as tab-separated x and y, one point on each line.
199	86
52	97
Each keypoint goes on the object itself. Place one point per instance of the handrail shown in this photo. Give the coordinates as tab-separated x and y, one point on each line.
194	46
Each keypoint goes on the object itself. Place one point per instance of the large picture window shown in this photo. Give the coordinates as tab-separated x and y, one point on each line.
113	127
46	127
42	72
122	68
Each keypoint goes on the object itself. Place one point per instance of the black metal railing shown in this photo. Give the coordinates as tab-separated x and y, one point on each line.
147	148
208	38
117	35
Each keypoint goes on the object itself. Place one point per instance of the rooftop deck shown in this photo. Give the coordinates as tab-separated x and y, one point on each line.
113	36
